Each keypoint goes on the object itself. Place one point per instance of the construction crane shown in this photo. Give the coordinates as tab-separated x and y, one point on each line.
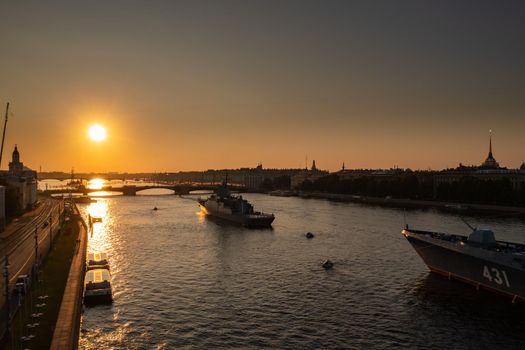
3	135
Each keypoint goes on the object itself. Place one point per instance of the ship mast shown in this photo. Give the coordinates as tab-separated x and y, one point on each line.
3	135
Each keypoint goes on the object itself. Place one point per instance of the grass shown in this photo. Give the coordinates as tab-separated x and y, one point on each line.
53	278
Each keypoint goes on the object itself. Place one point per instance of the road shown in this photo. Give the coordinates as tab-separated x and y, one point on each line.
17	243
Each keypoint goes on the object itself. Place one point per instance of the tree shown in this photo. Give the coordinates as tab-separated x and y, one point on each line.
266	185
282	182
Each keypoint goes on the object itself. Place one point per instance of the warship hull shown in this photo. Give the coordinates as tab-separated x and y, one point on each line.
494	270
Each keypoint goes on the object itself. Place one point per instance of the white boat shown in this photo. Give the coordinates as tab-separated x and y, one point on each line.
97	260
97	287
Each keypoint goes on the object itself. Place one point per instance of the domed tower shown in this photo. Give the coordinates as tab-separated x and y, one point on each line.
490	162
15	166
16	155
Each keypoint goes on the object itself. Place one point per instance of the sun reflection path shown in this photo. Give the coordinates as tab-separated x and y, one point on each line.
98	209
96	184
101	224
104	194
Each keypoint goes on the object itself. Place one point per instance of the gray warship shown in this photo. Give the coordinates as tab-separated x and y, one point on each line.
478	259
236	209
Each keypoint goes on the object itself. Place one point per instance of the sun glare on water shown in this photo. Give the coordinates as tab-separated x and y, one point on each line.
96	184
98	209
97	133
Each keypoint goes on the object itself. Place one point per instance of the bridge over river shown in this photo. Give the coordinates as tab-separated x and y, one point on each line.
132	190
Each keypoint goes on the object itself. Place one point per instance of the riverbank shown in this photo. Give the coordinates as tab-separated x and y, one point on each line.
465	208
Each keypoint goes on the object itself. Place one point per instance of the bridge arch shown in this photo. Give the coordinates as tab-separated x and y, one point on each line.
104	193
155	191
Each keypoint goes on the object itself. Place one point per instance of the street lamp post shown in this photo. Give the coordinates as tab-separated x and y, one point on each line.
36	246
50	231
7	301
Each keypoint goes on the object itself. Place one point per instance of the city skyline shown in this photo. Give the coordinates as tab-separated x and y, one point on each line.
270	174
311	165
192	86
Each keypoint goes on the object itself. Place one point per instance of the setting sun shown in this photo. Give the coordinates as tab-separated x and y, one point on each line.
97	133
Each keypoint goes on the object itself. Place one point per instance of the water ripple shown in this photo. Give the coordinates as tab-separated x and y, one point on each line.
183	282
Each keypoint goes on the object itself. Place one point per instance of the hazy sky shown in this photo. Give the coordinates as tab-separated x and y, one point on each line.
214	84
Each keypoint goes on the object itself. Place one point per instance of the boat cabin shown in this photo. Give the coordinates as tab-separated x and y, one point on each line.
97	279
97	287
97	260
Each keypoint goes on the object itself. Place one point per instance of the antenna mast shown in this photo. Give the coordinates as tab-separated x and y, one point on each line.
3	136
466	223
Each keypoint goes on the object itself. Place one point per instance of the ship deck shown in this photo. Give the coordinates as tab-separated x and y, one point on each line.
500	246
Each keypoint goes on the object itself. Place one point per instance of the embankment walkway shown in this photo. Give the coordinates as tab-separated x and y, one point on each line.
67	327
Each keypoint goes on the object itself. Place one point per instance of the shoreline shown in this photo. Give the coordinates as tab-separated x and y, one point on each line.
454	207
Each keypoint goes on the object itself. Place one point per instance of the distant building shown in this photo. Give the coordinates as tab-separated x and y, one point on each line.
251	178
488	170
490	162
22	180
15	166
311	175
346	174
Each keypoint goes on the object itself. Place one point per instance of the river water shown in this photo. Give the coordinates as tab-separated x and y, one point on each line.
182	280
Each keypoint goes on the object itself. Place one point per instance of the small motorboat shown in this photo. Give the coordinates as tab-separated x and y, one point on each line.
309	235
327	265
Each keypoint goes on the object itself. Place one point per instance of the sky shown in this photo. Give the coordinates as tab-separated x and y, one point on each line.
194	85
